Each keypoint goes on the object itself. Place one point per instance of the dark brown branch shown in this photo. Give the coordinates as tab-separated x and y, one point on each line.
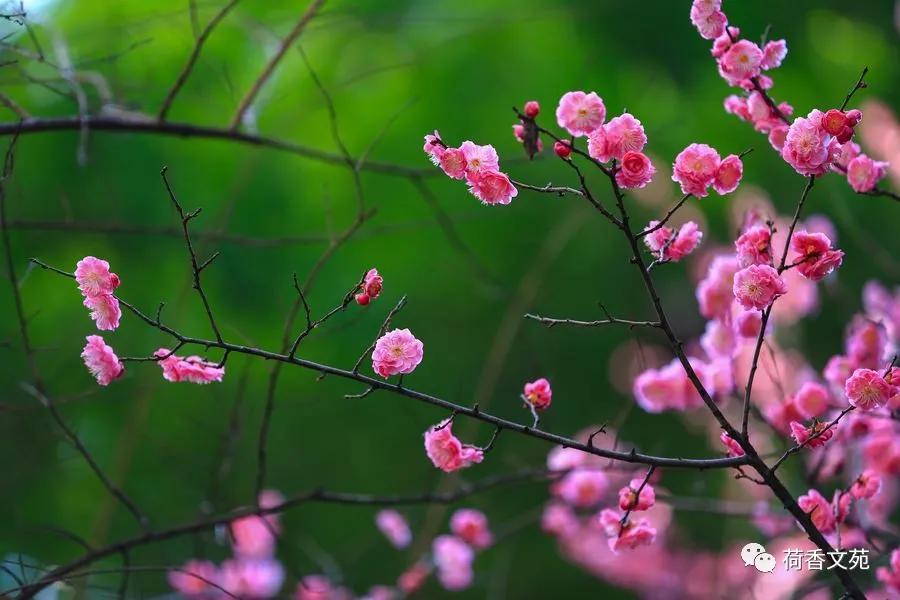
550	322
286	43
669	214
192	59
189	130
860	83
195	267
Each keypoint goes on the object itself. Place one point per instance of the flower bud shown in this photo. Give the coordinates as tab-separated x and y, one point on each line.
532	108
562	149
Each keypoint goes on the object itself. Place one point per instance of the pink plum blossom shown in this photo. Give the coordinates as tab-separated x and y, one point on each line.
809	148
757	286
253	536
532	109
256	579
863	173
445	450
812	399
452	162
890	576
434	147
453	559
748	323
669	387
742	61
867	485
192	369
492	187
580	113
583	488
629	535
813	255
732	448
396	352
715	291
635	171
479	159
695	169
818	509
814	436
673	245
866	389
620	135
709	23
559	519
728	175
195	580
773	54
629	499
471	526
538	393
94	277
394	527
105	311
101	360
754	246
370	288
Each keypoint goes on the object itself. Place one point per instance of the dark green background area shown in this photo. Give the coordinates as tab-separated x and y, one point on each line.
411	66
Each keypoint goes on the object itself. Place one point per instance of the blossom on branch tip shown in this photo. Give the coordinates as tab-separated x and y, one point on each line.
757	286
668	244
613	139
629	499
101	360
445	450
105	311
814	436
866	389
538	393
580	113
532	109
370	288
94	277
394	527
471	526
434	147
629	535
813	255
397	352
192	369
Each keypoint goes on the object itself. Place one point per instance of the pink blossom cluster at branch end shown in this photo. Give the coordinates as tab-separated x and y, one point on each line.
98	284
192	369
370	288
478	165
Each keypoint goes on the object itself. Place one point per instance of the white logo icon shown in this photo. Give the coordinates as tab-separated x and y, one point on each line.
764	563
750	552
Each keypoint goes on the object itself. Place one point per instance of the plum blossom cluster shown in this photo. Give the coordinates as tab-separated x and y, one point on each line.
812	145
699	166
478	165
451	558
251	572
192	369
669	244
370	288
98	284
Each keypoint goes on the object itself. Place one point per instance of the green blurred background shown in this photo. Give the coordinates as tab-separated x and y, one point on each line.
395	70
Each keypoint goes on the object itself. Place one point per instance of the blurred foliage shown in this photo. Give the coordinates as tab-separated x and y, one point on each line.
409	66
